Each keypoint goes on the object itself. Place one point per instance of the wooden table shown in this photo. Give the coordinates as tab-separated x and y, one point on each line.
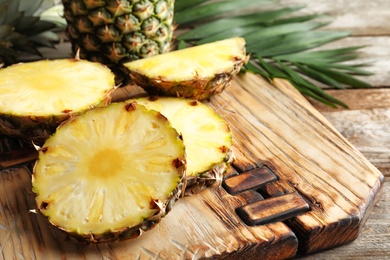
366	123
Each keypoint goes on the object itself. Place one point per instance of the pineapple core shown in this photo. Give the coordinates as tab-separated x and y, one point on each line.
106	164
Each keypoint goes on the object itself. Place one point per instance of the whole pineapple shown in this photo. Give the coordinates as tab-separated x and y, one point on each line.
116	31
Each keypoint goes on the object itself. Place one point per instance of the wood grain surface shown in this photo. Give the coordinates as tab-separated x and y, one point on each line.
366	126
324	191
366	123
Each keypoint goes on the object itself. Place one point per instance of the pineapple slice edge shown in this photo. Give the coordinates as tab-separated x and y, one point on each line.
122	202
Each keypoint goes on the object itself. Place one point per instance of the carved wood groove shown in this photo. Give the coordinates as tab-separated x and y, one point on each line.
249	180
273	209
267	201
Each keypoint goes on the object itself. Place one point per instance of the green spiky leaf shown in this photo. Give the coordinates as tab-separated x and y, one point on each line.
23	30
210	9
280	43
224	24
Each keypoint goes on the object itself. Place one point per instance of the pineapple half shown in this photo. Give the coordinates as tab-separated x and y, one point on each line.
196	72
111	173
206	135
36	97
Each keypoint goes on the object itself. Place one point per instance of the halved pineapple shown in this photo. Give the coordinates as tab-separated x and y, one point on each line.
111	173
197	72
36	97
206	135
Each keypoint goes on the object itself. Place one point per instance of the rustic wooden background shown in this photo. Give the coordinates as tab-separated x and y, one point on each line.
367	123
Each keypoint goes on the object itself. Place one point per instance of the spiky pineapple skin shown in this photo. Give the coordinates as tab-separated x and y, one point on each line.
38	128
135	231
211	177
128	233
30	128
113	32
198	88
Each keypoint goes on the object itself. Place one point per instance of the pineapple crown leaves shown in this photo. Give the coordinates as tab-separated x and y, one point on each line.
280	42
22	29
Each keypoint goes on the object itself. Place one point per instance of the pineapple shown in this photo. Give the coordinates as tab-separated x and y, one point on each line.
36	97
197	72
111	173
207	138
117	31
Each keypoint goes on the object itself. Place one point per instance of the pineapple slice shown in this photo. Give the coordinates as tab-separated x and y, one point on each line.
36	97
207	138
111	173
197	72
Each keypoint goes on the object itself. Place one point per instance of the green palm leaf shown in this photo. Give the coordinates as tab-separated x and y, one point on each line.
280	43
210	9
224	24
23	30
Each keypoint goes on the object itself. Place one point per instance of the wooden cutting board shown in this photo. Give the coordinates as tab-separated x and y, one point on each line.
296	187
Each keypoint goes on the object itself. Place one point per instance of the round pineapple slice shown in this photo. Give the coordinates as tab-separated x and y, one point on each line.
111	173
207	138
196	72
35	97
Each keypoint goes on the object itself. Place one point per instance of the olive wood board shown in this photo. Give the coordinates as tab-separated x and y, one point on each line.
296	187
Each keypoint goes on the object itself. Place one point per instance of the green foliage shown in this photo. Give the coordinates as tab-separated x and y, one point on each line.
280	42
22	29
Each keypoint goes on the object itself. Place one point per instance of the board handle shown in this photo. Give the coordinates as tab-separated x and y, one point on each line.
271	204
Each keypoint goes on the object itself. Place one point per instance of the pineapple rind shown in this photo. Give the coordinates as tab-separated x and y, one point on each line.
105	202
206	135
213	176
200	89
198	72
49	92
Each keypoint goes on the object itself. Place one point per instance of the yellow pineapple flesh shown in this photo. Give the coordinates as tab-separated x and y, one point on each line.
111	173
36	97
206	135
